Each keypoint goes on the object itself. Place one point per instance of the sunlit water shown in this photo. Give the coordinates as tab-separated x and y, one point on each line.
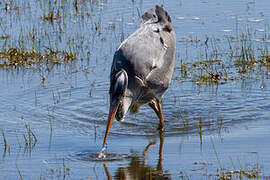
68	113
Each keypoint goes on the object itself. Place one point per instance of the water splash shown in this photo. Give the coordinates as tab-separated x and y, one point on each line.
102	155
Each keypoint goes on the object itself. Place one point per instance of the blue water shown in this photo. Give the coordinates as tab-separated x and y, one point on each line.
68	112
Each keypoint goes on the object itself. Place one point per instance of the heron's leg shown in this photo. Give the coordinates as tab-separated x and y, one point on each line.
161	120
107	172
161	142
157	108
153	105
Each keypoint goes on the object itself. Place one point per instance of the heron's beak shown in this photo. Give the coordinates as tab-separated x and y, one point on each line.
112	112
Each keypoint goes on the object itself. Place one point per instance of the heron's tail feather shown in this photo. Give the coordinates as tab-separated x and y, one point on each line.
164	18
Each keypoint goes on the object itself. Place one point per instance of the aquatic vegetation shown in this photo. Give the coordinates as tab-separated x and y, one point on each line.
55	57
5	140
208	72
34	60
225	60
250	172
19	173
62	171
51	16
14	58
30	138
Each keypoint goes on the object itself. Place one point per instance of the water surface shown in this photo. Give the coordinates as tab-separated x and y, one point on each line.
209	126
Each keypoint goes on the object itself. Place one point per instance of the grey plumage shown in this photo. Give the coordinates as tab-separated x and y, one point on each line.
147	57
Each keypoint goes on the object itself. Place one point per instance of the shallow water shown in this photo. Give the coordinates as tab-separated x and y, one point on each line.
208	127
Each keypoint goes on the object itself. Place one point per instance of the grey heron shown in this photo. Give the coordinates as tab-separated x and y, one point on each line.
142	68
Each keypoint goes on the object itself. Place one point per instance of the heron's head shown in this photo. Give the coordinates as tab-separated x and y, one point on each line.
118	88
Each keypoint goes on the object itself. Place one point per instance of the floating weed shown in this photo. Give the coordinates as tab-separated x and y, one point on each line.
253	173
225	60
183	70
264	61
211	71
250	170
34	60
51	16
14	58
4	36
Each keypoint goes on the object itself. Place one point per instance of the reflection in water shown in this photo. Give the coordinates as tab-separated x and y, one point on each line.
137	168
107	172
